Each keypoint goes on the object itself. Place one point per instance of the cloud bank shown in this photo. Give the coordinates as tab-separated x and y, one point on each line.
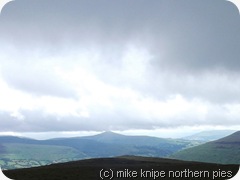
97	65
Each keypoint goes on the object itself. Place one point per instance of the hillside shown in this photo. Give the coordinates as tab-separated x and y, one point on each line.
168	146
225	151
209	135
126	167
16	152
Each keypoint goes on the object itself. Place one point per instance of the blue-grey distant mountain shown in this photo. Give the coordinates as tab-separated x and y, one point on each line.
225	151
16	152
210	135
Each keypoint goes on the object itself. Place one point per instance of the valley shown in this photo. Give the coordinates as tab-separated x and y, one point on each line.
18	152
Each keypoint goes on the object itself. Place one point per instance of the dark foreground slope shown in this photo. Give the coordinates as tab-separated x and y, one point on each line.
129	167
225	151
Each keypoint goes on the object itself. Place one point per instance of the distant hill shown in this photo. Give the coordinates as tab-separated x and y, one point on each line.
92	169
225	151
1	149
209	135
166	144
16	152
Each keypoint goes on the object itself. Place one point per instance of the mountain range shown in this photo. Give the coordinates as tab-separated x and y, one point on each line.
18	152
206	136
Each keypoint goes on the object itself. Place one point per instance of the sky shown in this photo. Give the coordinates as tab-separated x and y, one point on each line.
166	68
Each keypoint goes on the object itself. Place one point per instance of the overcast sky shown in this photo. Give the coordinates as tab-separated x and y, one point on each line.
162	66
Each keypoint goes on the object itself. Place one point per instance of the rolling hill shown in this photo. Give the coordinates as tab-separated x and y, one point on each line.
225	151
17	152
126	167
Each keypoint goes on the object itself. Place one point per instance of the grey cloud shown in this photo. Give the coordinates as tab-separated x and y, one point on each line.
39	121
36	80
185	37
7	122
195	49
215	87
204	36
197	35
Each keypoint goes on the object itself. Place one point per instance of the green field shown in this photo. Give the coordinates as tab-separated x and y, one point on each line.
30	155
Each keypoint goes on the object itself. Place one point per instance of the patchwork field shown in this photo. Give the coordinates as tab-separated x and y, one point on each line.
29	155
